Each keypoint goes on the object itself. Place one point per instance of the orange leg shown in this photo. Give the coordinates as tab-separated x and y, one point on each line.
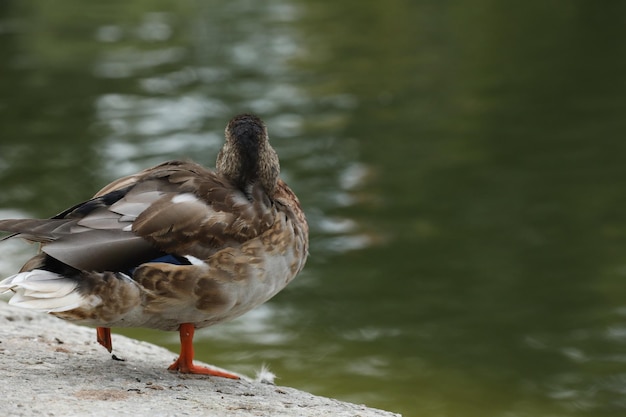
104	337
184	363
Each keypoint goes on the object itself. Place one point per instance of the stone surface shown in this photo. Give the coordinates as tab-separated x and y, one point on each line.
49	367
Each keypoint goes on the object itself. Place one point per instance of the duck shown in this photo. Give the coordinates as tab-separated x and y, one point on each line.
175	247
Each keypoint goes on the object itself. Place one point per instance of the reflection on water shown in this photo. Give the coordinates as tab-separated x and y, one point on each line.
593	381
460	166
173	127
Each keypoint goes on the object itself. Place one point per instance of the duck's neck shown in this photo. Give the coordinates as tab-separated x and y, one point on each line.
247	157
245	163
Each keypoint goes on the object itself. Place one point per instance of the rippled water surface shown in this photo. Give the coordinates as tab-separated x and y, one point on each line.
461	165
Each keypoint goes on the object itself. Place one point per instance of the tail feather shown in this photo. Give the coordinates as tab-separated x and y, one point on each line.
36	230
43	291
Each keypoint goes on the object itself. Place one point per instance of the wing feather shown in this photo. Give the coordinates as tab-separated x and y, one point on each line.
177	207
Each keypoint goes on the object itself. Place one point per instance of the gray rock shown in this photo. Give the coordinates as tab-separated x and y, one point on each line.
49	367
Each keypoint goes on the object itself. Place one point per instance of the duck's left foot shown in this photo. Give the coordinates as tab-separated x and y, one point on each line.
190	368
104	337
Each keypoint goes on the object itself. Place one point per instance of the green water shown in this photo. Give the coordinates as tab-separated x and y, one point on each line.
460	163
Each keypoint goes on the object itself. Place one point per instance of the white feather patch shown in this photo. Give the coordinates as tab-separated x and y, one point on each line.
184	198
43	291
194	261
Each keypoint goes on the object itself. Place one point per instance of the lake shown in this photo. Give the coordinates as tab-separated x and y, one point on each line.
461	165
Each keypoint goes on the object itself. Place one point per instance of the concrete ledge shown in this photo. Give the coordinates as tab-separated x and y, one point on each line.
49	367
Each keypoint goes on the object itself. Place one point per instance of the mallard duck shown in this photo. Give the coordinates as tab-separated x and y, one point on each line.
175	247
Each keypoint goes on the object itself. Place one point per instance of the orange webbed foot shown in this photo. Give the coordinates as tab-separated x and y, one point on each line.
184	363
190	368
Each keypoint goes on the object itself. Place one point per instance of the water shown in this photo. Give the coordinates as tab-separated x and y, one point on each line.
460	163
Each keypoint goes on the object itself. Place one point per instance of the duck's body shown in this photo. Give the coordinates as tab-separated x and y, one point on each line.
174	247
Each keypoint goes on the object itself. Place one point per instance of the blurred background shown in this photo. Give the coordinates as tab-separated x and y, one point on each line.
461	165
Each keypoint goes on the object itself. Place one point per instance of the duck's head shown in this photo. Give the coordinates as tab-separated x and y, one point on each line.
247	156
